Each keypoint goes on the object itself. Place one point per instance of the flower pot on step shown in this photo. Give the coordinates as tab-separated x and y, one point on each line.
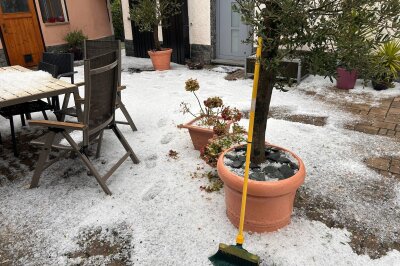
161	59
200	135
269	204
346	80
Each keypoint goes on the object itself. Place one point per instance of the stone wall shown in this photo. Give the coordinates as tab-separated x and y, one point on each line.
201	52
129	48
3	60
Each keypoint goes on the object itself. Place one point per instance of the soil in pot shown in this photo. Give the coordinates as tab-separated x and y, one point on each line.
271	189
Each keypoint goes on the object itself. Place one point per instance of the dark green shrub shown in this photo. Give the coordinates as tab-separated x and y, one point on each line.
117	19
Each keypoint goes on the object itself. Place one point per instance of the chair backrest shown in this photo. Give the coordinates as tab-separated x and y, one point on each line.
49	68
101	81
63	61
93	48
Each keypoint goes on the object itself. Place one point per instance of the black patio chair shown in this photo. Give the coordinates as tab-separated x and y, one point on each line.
23	109
64	67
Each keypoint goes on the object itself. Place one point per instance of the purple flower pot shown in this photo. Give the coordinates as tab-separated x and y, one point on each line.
346	80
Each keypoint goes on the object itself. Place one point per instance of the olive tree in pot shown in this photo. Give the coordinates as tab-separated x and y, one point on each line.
148	16
286	26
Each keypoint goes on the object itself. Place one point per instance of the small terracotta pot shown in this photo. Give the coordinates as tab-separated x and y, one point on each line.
346	80
161	59
200	135
269	204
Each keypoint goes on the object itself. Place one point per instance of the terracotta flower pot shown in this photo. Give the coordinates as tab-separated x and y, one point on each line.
269	204
161	59
200	135
346	80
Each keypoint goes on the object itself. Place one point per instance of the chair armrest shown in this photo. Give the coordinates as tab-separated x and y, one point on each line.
80	84
68	74
121	88
57	124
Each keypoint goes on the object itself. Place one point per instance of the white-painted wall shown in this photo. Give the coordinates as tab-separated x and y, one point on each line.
200	21
127	22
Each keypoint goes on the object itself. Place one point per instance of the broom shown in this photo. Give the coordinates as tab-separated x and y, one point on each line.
236	254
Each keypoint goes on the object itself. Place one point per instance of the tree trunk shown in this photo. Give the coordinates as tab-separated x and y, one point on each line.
157	45
263	101
265	86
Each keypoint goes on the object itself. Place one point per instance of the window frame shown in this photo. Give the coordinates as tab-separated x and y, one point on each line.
46	21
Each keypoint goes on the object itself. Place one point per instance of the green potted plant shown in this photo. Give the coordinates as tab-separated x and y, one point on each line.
148	16
75	41
212	119
386	63
285	28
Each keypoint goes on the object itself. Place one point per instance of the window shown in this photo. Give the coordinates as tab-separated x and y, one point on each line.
14	6
53	11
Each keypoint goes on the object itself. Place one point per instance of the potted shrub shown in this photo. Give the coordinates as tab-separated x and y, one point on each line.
285	27
148	16
212	119
75	41
387	65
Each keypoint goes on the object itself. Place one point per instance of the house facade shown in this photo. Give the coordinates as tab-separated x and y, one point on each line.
215	30
30	27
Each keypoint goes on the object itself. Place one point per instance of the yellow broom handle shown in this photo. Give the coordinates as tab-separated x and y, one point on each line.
240	237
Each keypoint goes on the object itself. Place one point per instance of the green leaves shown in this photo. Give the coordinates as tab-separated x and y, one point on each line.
75	38
148	14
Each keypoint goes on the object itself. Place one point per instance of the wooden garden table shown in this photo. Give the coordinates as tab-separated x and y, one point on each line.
39	89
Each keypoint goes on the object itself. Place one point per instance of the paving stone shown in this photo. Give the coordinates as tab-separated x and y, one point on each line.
393	119
383	131
386	125
391	133
379	163
378	111
362	107
395	162
385	173
396	104
395	169
367	129
394	111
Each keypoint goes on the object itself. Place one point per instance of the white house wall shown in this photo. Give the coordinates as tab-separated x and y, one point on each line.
199	21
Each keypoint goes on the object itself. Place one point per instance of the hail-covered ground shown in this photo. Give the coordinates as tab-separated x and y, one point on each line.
158	215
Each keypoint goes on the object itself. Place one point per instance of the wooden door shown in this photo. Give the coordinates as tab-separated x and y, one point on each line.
20	32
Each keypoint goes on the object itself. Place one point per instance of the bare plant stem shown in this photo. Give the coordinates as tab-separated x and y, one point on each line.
201	108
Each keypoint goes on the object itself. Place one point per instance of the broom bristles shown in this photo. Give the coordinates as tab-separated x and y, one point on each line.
234	256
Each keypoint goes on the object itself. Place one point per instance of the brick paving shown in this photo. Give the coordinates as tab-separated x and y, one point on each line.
382	119
387	166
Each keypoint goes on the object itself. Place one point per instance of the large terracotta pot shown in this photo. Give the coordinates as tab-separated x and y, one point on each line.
161	59
346	80
200	135
269	204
